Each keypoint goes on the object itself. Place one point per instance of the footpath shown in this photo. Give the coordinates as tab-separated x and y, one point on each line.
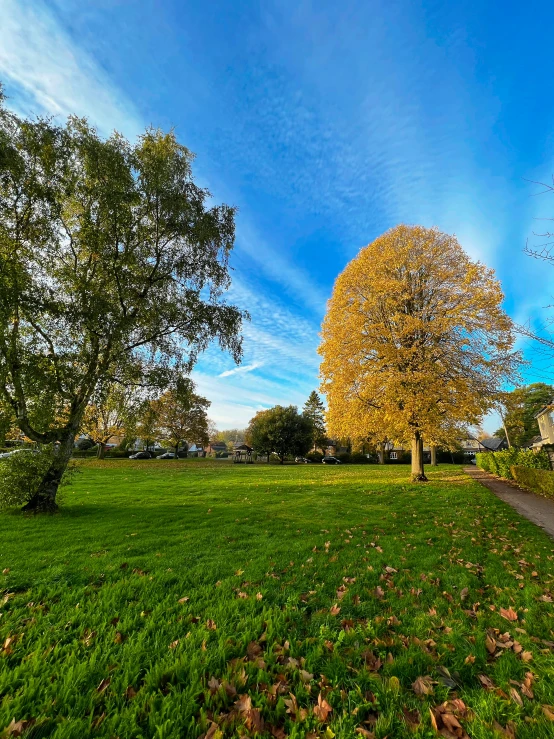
535	508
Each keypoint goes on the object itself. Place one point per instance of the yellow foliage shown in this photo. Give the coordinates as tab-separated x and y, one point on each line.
415	340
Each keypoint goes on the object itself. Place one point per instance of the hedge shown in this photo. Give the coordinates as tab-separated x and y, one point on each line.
538	480
501	463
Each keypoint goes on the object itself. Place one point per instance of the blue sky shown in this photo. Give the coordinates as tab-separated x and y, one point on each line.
326	123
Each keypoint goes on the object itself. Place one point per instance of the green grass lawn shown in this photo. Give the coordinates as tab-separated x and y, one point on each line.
175	599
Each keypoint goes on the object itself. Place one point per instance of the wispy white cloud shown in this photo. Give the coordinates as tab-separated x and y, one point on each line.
49	74
242	369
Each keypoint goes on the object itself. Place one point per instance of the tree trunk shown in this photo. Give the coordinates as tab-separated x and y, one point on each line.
101	453
268	454
281	459
381	452
177	450
44	500
433	455
418	472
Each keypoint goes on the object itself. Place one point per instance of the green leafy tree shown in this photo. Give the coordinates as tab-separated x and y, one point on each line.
519	409
110	255
148	423
280	430
315	411
182	415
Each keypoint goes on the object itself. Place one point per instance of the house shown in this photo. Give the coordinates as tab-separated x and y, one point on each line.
216	447
196	450
545	420
472	446
335	447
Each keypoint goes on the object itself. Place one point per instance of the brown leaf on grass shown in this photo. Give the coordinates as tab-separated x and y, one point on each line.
423	685
243	704
184	600
548	712
103	685
254	721
6	570
124	566
412	718
507	731
16	728
365	732
322	709
334	610
464	593
379	592
516	697
329	645
213	732
305	676
259	596
526	656
509	614
253	650
490	644
130	693
119	638
469	660
211	625
372	662
276	731
486	682
173	644
341	592
242	595
444	719
213	685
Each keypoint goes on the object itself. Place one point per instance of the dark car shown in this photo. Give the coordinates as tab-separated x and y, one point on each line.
141	455
330	460
166	455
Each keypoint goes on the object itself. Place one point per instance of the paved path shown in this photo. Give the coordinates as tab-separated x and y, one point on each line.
535	508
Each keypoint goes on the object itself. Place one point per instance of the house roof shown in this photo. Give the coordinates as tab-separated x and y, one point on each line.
492	443
242	447
544	408
195	448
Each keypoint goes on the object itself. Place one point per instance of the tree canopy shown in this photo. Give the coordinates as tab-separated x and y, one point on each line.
520	407
110	254
414	342
315	411
182	415
280	430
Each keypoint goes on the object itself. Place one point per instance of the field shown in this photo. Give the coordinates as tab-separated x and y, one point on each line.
176	599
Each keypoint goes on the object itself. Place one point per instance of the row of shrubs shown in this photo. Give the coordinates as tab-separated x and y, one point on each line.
538	480
501	463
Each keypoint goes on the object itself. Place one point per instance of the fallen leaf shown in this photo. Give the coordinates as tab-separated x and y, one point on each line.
423	685
515	696
174	644
322	709
334	610
103	685
509	614
548	712
16	728
184	600
211	625
526	656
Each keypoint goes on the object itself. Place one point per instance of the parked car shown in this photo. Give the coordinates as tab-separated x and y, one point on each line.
302	460
166	455
6	455
330	460
141	455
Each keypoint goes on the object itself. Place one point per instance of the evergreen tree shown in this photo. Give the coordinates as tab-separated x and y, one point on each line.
315	411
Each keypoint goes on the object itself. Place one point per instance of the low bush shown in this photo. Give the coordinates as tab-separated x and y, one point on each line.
502	463
359	458
345	458
314	456
538	480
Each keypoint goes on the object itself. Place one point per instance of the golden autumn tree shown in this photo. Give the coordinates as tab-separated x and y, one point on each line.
415	341
111	413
